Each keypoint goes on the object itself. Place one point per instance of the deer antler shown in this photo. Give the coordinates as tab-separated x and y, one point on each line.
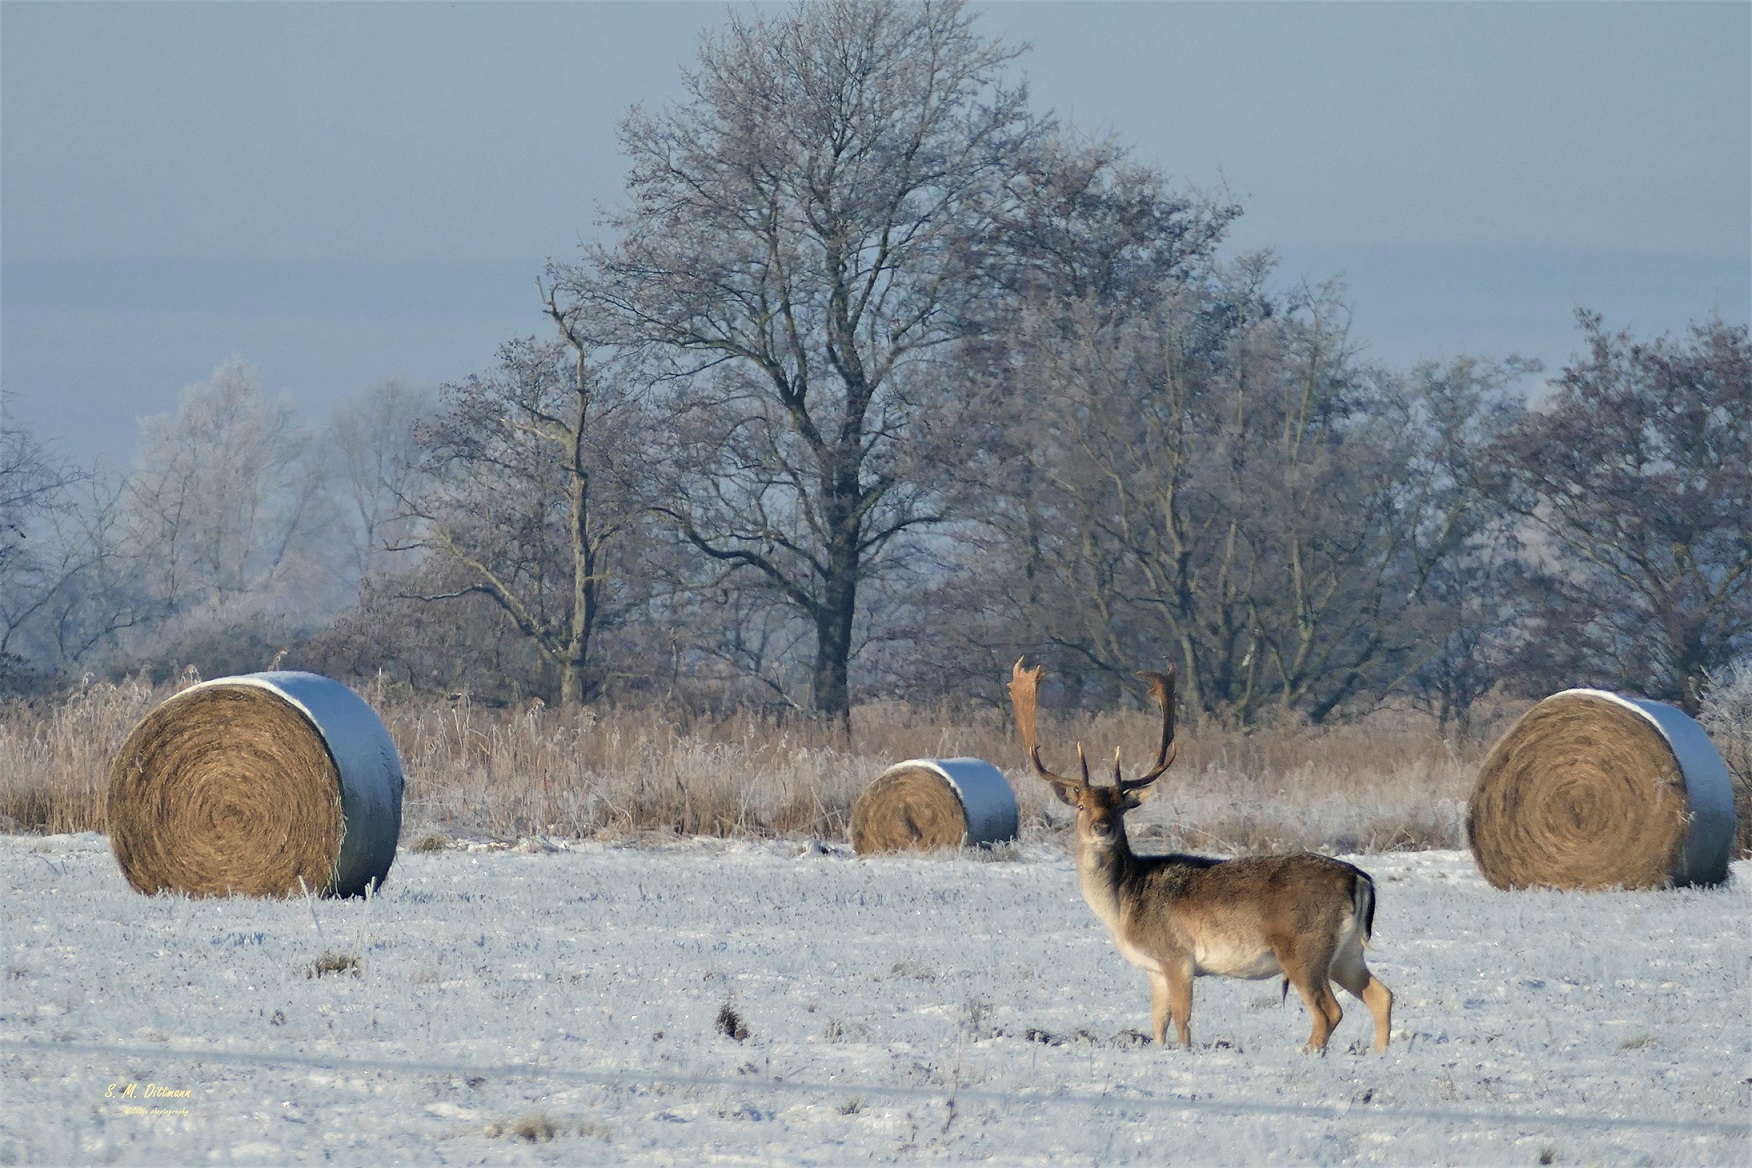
1162	687
1024	687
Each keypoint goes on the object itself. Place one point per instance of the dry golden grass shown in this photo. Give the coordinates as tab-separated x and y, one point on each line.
1386	782
55	757
1727	716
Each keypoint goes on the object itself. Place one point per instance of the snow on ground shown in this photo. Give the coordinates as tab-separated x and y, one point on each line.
941	1007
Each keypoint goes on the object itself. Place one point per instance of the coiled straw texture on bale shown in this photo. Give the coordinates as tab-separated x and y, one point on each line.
1585	792
232	787
924	804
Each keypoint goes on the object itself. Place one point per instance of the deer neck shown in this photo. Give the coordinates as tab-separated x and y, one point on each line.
1103	870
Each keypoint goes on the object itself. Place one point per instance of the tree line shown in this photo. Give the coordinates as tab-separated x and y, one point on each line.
878	379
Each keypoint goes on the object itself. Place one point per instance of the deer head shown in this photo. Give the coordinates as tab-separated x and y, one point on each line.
1100	810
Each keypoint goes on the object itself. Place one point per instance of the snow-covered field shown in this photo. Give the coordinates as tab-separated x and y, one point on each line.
939	1007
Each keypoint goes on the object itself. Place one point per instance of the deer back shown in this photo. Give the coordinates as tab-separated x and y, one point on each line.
1178	903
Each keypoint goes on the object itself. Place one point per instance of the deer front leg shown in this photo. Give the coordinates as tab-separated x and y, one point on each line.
1171	997
1159	1007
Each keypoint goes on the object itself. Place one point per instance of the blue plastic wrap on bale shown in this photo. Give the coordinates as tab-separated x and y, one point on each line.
1709	836
986	797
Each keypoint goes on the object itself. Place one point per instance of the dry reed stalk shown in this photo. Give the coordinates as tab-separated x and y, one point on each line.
55	757
1727	716
1385	782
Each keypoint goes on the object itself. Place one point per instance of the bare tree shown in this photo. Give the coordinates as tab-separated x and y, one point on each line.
33	487
1469	630
1215	475
1084	223
799	232
1086	239
1632	483
531	475
463	645
225	502
1467	626
31	481
89	594
377	463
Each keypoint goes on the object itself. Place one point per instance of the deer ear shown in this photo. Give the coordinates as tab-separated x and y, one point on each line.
1136	798
1065	791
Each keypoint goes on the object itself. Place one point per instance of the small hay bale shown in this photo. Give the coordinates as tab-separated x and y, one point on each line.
267	784
927	803
1593	790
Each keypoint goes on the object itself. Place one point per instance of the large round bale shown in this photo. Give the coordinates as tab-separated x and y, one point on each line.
268	784
926	803
1593	790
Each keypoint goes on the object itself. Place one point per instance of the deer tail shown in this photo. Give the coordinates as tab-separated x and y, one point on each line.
1363	902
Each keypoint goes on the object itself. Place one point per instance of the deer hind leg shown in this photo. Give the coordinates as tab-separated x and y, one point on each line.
1352	972
1315	989
1316	993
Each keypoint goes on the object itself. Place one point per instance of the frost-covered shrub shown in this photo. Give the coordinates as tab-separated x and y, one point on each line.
1726	714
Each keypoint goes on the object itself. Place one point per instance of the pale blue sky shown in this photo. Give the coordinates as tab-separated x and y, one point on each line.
344	192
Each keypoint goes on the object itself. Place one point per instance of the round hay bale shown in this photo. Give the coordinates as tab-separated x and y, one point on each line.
926	803
1593	790
249	785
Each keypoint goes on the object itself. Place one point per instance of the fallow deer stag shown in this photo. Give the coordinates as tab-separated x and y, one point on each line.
1305	917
